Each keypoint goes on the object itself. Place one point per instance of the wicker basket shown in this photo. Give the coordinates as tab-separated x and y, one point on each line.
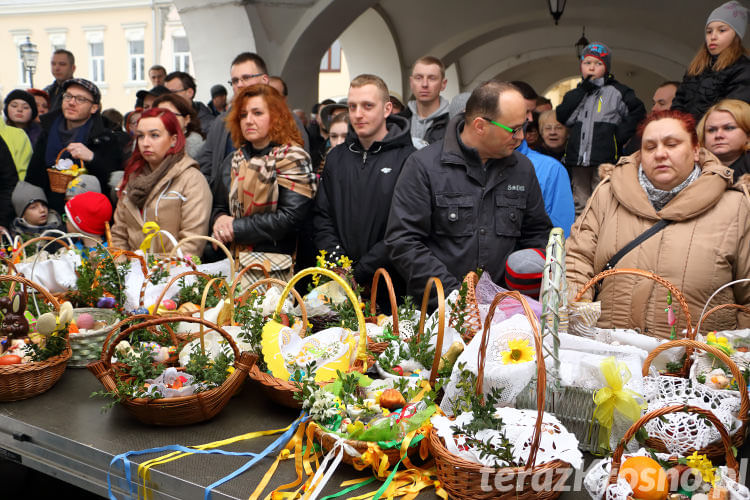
22	381
283	391
379	347
463	479
87	347
58	181
714	450
180	410
726	445
19	254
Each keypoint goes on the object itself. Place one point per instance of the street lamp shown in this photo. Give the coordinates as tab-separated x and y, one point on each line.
556	8
29	56
581	43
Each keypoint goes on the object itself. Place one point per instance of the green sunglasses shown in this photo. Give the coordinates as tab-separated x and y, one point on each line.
513	131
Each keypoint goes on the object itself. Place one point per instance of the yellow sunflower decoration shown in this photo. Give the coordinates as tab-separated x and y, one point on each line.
519	351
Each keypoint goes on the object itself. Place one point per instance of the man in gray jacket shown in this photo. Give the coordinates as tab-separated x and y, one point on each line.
469	201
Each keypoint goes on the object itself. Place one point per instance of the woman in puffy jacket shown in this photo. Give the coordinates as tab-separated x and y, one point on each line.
721	68
705	245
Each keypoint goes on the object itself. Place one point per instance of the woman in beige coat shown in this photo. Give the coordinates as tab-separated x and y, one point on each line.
705	245
164	185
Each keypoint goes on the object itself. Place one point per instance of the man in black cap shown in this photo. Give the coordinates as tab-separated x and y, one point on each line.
144	98
79	133
218	102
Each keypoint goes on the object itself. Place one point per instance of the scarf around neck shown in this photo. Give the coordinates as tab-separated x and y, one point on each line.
255	181
659	198
55	142
141	186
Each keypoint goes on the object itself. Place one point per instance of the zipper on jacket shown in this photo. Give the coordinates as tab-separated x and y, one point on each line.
163	192
364	157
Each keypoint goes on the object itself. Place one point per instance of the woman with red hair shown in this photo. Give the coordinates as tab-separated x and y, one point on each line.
266	188
702	238
163	185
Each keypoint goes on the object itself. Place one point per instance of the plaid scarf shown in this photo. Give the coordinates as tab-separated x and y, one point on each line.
255	181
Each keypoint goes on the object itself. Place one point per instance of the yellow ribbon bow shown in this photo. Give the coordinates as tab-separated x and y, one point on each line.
615	397
151	229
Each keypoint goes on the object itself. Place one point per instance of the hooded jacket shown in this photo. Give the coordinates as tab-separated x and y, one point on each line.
437	122
180	203
451	214
101	140
706	245
601	116
354	199
698	93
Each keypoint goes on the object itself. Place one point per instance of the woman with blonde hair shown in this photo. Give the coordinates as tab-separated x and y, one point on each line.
725	131
266	188
721	68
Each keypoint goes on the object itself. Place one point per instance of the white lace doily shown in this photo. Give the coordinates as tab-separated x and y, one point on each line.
556	442
512	378
682	432
597	484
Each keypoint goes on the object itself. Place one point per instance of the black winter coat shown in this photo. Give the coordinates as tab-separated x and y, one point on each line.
600	119
266	232
451	214
741	166
8	181
101	140
354	198
698	93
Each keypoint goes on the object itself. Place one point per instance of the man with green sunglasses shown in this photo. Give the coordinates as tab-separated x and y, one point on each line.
470	200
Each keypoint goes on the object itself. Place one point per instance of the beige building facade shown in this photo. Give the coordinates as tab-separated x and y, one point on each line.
114	43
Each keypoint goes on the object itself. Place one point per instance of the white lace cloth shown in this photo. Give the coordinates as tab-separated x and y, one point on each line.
597	484
512	378
556	442
682	432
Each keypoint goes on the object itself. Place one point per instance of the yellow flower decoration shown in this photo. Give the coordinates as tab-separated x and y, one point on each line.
345	261
519	351
355	426
703	465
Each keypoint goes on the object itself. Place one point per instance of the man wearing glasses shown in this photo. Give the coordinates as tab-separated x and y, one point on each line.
471	200
77	129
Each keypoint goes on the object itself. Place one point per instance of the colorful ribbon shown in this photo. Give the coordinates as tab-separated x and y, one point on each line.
615	397
151	229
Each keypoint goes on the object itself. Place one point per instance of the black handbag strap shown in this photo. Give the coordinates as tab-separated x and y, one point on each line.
636	241
627	248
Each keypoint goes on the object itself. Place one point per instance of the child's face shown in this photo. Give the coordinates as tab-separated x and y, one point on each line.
593	67
719	36
36	214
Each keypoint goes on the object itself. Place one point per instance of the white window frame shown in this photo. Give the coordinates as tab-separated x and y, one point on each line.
96	63
136	69
181	58
58	38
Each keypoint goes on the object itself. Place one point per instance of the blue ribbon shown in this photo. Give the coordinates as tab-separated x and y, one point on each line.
279	443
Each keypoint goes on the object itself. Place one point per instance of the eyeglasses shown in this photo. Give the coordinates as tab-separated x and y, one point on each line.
77	98
513	131
244	79
177	91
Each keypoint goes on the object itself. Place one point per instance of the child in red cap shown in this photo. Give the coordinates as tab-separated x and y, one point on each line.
87	213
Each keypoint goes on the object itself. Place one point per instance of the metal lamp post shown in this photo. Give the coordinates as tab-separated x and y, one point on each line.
29	56
556	8
581	43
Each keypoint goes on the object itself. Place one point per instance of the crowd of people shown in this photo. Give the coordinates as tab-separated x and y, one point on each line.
423	187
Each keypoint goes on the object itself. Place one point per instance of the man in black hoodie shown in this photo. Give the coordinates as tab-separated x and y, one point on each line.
354	197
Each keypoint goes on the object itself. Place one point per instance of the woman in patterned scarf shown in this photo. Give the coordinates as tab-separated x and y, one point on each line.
267	186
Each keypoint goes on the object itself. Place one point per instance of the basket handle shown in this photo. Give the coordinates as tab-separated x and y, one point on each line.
391	296
9	263
741	384
282	284
216	242
362	343
541	369
725	439
172	282
213	282
645	274
708	313
35	240
17	278
63	150
473	319
254	265
169	261
441	322
152	321
120	252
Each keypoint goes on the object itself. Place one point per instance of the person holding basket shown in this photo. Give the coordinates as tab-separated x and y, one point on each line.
672	209
162	187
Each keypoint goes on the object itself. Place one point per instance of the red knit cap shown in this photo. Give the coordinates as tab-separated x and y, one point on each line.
89	211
